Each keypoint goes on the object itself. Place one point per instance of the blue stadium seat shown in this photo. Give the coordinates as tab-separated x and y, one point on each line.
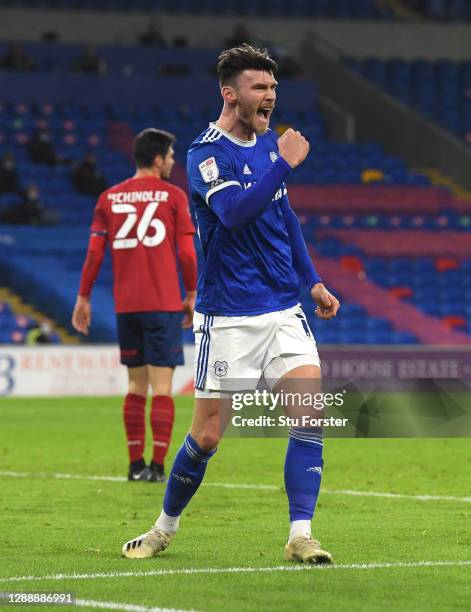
438	90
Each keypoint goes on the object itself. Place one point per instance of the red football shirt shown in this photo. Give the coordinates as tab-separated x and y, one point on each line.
142	218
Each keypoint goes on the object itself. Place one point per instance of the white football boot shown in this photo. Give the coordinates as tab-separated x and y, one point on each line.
307	550
147	545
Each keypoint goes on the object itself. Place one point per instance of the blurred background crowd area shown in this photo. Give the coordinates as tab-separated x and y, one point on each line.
382	89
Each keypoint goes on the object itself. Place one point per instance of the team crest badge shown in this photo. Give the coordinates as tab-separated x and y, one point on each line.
220	368
209	169
273	156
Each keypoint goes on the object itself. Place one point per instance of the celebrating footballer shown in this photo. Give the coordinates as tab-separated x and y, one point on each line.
248	322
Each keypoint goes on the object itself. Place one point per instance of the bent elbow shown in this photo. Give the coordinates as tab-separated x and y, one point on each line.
230	222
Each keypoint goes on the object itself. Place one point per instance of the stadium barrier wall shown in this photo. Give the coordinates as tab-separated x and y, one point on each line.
46	371
87	370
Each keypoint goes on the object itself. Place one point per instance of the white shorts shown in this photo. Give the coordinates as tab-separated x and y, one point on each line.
231	350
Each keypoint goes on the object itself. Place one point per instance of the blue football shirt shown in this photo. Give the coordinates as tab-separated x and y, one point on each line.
245	271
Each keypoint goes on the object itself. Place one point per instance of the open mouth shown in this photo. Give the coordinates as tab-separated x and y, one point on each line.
264	114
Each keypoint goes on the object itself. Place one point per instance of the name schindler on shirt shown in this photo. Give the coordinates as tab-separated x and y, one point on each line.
129	197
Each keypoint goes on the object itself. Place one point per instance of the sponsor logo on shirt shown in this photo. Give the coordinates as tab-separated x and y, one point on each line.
247	170
209	170
282	191
215	183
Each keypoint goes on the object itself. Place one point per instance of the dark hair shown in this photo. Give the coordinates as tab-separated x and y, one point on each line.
245	57
149	143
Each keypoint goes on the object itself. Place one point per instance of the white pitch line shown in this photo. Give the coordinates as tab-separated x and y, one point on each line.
60	476
454	498
258	487
112	605
231	485
237	570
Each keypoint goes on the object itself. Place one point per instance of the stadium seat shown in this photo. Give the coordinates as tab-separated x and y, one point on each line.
439	90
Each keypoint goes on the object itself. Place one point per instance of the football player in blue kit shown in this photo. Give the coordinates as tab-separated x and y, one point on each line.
248	322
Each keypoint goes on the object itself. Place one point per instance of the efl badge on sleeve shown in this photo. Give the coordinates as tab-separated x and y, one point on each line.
209	170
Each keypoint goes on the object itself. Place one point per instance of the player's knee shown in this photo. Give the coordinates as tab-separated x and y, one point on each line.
207	440
162	389
138	381
138	388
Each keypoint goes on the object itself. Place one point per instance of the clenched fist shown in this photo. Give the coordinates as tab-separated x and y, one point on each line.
327	304
293	147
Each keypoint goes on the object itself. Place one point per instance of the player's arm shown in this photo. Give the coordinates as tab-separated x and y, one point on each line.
294	148
82	315
235	207
187	262
327	304
186	254
212	176
302	261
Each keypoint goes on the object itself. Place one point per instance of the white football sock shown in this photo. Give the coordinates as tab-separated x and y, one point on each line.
299	528
167	523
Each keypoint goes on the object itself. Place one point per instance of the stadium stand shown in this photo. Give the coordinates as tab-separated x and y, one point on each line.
338	9
20	323
13	328
61	58
441	10
350	196
390	247
440	90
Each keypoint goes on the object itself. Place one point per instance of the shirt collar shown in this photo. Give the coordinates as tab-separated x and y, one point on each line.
234	139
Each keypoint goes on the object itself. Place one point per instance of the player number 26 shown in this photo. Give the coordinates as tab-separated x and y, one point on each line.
148	239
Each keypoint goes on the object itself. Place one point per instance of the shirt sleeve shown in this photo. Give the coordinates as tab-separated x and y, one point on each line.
92	264
183	220
210	171
302	261
187	260
212	177
96	249
99	225
235	207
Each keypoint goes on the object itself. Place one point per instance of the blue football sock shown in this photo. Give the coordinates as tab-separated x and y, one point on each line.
303	473
186	476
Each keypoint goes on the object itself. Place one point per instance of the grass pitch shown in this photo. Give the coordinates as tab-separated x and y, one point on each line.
57	521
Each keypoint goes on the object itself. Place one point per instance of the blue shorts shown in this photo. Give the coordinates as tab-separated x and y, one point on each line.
150	338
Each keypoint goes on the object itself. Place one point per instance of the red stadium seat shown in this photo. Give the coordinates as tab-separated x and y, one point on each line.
454	321
352	263
443	264
401	292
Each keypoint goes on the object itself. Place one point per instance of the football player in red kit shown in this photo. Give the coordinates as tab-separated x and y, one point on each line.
148	226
